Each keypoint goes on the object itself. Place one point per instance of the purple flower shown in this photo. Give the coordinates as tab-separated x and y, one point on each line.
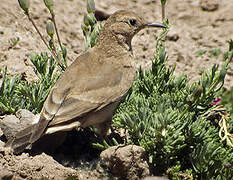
216	101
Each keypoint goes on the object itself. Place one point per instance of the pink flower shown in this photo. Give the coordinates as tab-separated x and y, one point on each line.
216	101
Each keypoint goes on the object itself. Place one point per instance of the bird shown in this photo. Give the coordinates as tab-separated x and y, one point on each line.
91	88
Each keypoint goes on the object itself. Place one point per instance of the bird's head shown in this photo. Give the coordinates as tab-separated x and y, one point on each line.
123	25
128	23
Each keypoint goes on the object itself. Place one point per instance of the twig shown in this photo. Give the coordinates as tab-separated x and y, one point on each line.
58	37
37	30
163	2
163	12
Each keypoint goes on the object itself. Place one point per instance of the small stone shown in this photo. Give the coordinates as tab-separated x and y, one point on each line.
26	117
12	124
5	174
209	5
173	36
184	16
126	162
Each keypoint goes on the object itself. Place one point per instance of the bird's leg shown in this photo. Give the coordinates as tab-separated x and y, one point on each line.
103	128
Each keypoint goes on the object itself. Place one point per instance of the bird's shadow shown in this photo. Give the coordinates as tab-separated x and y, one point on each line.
73	148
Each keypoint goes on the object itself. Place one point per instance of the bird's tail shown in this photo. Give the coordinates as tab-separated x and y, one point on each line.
21	139
27	136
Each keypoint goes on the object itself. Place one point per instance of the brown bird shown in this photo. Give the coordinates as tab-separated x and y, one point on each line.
90	89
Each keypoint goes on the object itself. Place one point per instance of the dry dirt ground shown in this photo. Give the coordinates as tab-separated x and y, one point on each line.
192	30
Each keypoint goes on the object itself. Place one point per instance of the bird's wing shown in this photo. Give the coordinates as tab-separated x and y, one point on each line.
86	85
77	105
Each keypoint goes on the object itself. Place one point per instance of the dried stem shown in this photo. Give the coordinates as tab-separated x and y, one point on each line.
58	37
53	46
163	12
41	36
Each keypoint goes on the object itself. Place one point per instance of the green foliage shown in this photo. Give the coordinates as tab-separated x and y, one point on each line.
36	92
24	4
90	27
9	101
163	2
17	93
164	115
50	5
201	52
215	52
13	41
211	53
227	100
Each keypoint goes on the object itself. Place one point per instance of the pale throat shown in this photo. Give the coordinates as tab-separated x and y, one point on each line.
117	44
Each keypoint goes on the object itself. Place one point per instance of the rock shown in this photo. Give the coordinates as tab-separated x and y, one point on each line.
11	124
209	5
172	36
126	162
26	117
184	16
6	175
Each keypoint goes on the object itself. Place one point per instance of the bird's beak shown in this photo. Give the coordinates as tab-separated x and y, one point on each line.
159	25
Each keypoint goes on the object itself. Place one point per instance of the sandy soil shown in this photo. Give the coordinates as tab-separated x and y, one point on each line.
192	30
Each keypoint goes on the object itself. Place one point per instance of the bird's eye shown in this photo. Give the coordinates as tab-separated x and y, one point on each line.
132	22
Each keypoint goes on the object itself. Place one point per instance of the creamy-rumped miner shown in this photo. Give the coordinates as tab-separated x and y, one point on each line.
88	92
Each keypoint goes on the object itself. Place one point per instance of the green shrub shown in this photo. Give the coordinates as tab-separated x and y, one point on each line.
9	100
17	93
168	117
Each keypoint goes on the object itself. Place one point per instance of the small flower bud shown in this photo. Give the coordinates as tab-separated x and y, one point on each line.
89	19
50	28
24	4
90	6
85	20
49	4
